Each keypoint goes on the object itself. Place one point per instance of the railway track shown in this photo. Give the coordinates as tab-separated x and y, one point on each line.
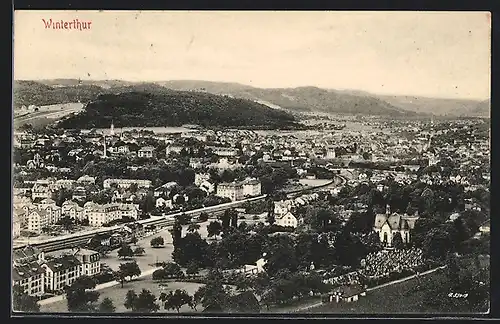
60	243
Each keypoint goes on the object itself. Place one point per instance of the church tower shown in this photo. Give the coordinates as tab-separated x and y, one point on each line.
112	129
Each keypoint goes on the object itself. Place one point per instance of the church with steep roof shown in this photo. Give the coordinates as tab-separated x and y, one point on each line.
387	225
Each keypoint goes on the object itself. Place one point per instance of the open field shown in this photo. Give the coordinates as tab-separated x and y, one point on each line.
117	294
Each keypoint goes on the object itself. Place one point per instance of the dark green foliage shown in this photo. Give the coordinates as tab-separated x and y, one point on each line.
175	108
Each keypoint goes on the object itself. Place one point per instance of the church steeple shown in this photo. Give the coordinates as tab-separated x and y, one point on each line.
112	129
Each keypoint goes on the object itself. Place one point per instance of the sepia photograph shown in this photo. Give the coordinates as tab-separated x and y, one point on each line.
250	162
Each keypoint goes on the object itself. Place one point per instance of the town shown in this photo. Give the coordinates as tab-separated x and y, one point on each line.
225	220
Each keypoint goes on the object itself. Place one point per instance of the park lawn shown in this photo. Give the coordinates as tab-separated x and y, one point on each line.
117	294
393	299
152	255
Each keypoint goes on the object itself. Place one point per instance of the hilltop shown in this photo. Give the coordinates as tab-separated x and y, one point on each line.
158	106
300	99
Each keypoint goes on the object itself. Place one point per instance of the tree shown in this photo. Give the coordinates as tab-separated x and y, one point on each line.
214	228
197	299
191	248
270	212
139	251
226	220
157	242
192	269
193	227
129	269
145	302
125	252
397	241
130	300
203	217
280	255
134	240
176	232
22	302
214	296
177	299
172	269
437	244
80	297
106	306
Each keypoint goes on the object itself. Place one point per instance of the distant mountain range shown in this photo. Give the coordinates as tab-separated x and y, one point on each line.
300	99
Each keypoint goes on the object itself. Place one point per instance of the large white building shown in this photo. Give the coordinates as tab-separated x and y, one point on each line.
90	261
126	183
41	215
72	210
27	272
102	214
239	190
61	272
224	151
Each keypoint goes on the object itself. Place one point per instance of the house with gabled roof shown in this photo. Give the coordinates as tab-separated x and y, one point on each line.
387	225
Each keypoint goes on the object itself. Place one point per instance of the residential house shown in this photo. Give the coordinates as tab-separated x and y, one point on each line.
146	152
72	210
61	272
103	214
30	277
286	220
86	180
251	187
40	191
199	178
207	186
163	203
90	261
195	163
126	183
233	190
134	230
38	219
173	149
350	293
485	228
79	193
224	151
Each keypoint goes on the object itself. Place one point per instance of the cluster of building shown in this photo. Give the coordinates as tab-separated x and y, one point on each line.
34	217
39	274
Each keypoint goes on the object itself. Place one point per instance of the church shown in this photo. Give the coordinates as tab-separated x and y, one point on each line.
387	225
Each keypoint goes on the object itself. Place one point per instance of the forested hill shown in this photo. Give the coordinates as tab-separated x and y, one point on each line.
35	93
175	108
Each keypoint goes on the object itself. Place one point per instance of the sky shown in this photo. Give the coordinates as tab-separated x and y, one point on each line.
434	54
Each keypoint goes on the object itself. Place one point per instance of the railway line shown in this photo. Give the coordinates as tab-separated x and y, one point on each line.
73	240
